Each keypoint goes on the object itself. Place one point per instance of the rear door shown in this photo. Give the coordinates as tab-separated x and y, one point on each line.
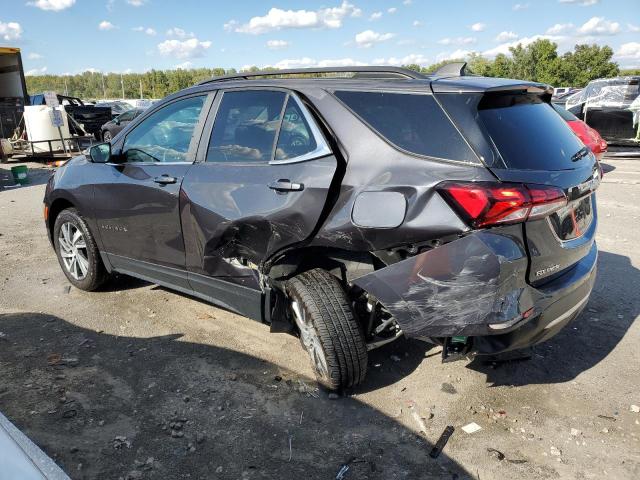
137	202
259	185
530	143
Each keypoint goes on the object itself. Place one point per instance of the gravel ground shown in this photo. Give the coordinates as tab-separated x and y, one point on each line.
135	381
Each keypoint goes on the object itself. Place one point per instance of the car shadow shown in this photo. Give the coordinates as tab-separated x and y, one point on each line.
110	406
607	167
613	307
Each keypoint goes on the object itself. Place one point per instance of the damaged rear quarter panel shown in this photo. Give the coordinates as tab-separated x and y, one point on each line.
458	288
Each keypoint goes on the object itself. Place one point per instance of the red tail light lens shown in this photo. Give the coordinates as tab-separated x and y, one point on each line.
486	204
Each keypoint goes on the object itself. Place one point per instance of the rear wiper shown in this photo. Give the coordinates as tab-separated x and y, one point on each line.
583	152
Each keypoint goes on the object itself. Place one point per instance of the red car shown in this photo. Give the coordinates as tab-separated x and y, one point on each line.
590	137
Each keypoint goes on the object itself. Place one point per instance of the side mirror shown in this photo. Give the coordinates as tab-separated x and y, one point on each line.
100	153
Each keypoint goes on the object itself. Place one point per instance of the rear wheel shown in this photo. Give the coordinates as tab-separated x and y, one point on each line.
329	331
106	136
77	251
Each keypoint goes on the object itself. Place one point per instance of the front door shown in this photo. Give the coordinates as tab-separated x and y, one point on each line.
260	184
137	202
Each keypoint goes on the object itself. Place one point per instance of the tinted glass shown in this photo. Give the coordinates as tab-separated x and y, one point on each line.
127	116
528	133
566	115
165	136
413	122
295	136
246	126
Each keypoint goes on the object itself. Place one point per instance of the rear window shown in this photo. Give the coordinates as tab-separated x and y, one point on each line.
528	133
412	122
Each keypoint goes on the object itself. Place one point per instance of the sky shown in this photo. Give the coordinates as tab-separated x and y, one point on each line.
72	36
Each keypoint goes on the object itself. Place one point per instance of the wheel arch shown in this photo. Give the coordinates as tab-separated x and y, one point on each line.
57	206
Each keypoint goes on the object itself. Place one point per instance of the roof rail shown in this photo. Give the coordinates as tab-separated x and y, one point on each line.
454	69
359	72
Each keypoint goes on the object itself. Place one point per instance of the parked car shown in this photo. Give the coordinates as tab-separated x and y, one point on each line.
604	105
113	127
88	118
589	136
459	210
117	107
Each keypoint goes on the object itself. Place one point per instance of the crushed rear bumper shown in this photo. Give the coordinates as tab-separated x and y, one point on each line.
476	287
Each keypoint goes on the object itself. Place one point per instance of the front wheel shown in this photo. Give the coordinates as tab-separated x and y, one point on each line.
106	136
77	251
329	330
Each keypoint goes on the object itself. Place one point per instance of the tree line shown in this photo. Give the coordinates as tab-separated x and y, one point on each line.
539	61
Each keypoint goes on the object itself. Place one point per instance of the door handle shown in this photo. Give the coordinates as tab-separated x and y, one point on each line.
165	179
285	185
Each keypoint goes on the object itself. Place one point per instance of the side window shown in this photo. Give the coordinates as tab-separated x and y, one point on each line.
126	116
165	136
246	126
295	137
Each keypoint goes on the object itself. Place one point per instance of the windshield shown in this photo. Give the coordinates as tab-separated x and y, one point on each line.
528	133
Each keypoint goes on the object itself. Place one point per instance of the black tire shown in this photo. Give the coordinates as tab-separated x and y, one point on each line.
106	136
330	327
96	273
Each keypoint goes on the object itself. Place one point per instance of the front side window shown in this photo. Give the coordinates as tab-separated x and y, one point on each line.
165	135
126	116
246	126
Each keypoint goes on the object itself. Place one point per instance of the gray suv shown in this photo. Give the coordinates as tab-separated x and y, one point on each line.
347	206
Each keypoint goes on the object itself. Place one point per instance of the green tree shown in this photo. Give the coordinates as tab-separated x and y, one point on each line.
586	63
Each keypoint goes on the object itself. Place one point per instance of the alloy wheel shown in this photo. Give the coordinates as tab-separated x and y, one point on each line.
310	340
73	250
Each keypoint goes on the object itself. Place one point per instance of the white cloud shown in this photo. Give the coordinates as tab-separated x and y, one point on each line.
375	16
52	5
521	6
407	2
90	70
34	56
184	65
306	62
455	55
506	36
633	28
368	38
413	58
478	27
10	31
105	25
278	19
457	41
277	44
629	52
136	3
180	33
417	23
582	3
190	48
392	10
504	47
599	26
560	28
149	31
36	71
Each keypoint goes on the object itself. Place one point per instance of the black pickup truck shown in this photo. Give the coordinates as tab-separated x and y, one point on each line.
89	117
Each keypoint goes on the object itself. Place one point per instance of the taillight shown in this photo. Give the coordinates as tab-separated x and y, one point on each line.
484	204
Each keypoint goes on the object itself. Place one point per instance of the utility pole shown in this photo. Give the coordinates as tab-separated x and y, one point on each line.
104	91
140	89
122	85
66	90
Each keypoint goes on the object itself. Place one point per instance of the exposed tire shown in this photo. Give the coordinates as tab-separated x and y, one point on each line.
106	136
77	251
329	330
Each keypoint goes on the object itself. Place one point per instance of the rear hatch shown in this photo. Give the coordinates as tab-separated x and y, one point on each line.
522	140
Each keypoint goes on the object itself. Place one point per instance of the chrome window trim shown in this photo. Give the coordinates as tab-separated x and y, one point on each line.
322	148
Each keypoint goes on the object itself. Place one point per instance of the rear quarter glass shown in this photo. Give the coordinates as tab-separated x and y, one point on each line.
412	122
528	133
